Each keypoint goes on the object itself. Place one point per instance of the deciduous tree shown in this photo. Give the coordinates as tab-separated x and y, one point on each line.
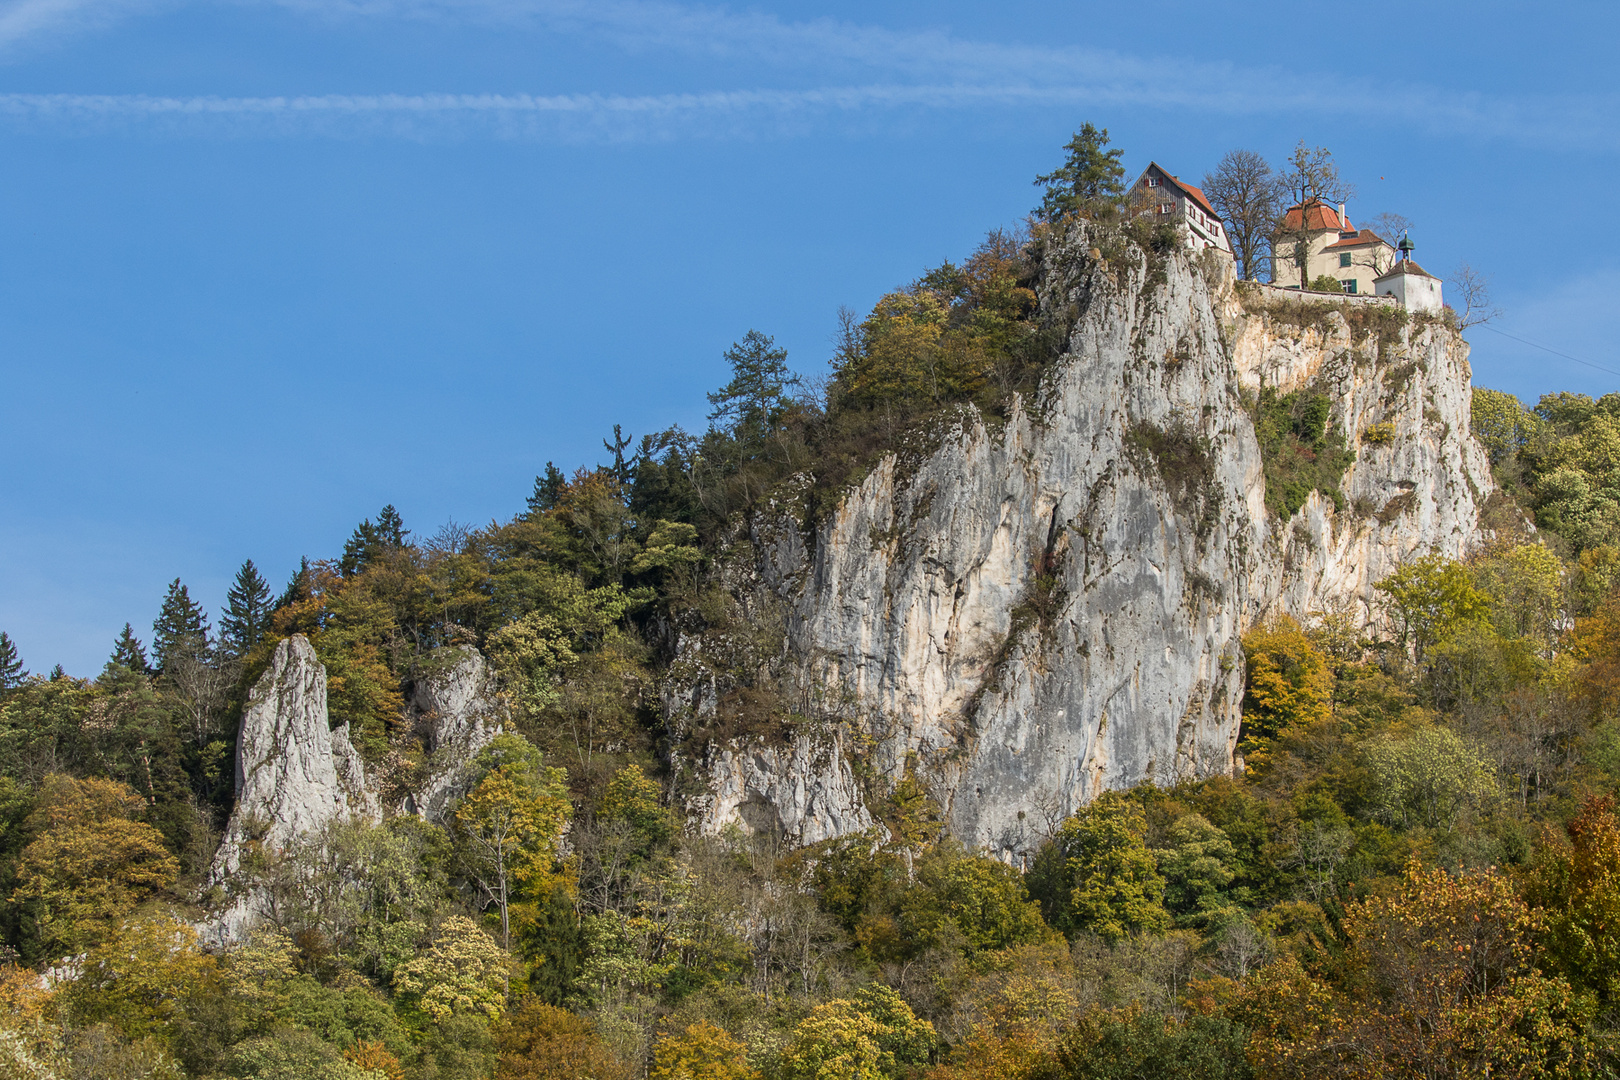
1243	191
90	864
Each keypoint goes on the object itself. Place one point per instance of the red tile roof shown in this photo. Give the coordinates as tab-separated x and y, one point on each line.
1318	215
1363	238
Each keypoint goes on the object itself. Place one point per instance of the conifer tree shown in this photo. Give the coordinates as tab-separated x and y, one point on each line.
752	403
371	541
128	652
297	589
391	529
547	490
247	612
1092	178
181	627
11	666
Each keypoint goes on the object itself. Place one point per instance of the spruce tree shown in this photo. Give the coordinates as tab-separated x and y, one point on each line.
297	590
181	628
247	612
391	531
128	652
11	666
373	540
547	490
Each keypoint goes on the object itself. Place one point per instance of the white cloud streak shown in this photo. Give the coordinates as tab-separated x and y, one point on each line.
872	69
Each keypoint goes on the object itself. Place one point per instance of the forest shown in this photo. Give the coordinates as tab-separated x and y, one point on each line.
1416	873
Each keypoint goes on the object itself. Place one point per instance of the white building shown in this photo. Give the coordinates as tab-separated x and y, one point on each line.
1160	195
1331	246
1413	286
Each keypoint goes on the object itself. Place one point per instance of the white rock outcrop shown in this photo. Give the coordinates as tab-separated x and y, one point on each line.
457	715
1029	615
294	772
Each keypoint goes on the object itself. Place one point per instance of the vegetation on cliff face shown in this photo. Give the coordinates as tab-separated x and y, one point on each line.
1416	876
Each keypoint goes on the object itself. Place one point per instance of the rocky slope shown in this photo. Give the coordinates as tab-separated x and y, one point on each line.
295	773
1024	617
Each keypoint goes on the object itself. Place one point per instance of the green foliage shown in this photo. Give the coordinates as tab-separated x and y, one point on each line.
181	628
293	1054
12	671
1326	283
1297	451
1429	777
1502	424
1090	181
247	612
1430	599
971	898
1134	1042
1097	875
754	402
128	652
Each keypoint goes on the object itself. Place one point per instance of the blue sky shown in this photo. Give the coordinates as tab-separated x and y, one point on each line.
267	265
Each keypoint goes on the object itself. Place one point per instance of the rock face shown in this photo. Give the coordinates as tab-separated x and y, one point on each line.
1024	617
457	716
294	773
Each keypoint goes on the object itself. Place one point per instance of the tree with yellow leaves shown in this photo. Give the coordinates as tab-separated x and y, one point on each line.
463	972
511	824
90	863
872	1036
542	1042
1289	685
701	1052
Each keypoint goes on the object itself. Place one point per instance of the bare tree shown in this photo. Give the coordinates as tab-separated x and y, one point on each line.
1309	176
1243	191
1472	295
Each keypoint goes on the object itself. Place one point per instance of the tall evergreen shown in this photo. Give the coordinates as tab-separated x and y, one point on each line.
181	627
128	652
547	490
11	666
1091	180
371	540
247	612
297	590
753	402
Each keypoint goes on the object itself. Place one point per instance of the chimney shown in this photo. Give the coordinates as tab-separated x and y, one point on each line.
1344	219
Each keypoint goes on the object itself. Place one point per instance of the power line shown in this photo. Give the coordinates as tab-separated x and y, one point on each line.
1544	348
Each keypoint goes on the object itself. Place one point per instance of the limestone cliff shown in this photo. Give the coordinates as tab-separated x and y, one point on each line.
456	717
1027	615
294	772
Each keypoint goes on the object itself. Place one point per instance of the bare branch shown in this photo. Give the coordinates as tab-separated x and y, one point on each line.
1471	295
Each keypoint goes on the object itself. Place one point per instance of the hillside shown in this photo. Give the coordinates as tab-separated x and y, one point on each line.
1115	669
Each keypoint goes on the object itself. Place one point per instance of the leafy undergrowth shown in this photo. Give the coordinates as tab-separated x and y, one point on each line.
1299	452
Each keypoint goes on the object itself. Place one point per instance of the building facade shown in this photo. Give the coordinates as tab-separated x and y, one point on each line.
1413	286
1332	247
1159	195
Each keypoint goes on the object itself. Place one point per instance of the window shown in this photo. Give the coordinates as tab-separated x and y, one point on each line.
1152	181
1349	286
1167	208
1344	258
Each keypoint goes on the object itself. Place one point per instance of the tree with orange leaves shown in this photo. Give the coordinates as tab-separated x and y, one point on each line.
1579	887
1437	980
